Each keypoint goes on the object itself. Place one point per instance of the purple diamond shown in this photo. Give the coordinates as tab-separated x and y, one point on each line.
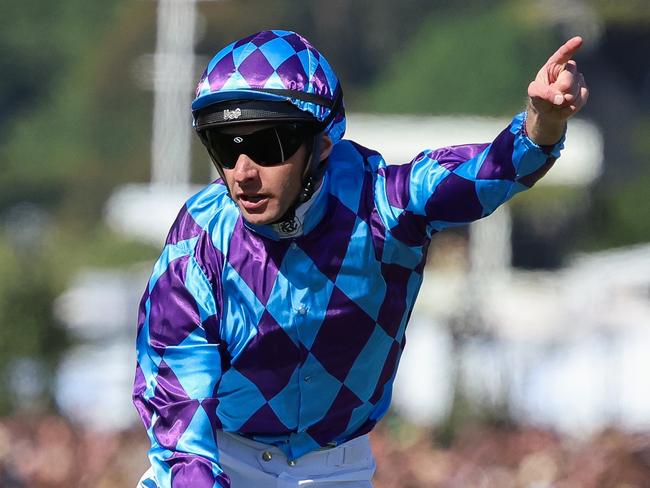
173	312
174	407
378	231
263	37
320	83
256	259
255	69
292	74
453	156
296	42
338	227
191	471
342	335
398	181
535	176
264	421
143	408
394	304
209	406
210	260
411	229
168	389
184	227
271	345
221	72
498	162
387	372
337	417
367	198
454	200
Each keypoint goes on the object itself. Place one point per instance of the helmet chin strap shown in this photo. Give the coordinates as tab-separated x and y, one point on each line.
311	177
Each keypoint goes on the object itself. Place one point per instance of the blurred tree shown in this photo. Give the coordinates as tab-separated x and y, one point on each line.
624	206
356	36
84	128
24	59
473	60
28	330
74	126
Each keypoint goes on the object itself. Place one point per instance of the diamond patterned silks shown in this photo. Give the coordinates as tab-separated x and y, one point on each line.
454	200
217	77
255	69
256	260
263	421
292	74
300	339
342	335
193	471
336	228
175	408
171	323
273	346
337	418
256	63
183	228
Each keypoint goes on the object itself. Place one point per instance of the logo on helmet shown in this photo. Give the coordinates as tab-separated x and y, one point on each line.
238	139
231	114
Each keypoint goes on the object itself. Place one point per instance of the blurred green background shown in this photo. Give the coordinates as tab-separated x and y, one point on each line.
75	123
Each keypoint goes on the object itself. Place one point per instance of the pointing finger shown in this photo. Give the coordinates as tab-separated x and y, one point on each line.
566	51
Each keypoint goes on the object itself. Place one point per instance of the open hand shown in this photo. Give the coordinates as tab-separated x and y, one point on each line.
559	90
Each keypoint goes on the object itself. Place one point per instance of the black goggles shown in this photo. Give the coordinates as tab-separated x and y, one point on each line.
267	147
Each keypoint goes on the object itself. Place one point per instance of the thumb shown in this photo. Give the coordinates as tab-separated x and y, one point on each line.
545	92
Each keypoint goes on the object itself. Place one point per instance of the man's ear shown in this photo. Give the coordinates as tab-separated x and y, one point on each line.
326	147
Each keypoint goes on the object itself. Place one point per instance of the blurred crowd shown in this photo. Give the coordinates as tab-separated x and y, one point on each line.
514	458
49	452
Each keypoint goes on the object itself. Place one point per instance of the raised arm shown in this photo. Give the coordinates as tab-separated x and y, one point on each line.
558	92
459	184
180	354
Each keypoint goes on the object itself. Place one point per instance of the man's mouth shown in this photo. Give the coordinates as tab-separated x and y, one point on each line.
252	198
253	201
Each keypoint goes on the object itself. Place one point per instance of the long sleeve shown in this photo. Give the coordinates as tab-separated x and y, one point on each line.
459	184
180	359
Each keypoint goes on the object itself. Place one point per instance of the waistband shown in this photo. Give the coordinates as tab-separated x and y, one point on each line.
352	452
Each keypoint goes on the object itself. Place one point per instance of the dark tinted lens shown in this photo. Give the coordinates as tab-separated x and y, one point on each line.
292	136
262	146
266	147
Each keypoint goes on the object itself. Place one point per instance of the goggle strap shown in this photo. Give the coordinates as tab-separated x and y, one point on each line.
314	170
334	110
298	95
334	105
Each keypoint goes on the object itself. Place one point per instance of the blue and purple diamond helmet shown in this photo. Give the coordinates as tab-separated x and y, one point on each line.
270	66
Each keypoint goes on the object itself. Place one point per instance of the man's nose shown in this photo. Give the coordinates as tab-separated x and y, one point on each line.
245	169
